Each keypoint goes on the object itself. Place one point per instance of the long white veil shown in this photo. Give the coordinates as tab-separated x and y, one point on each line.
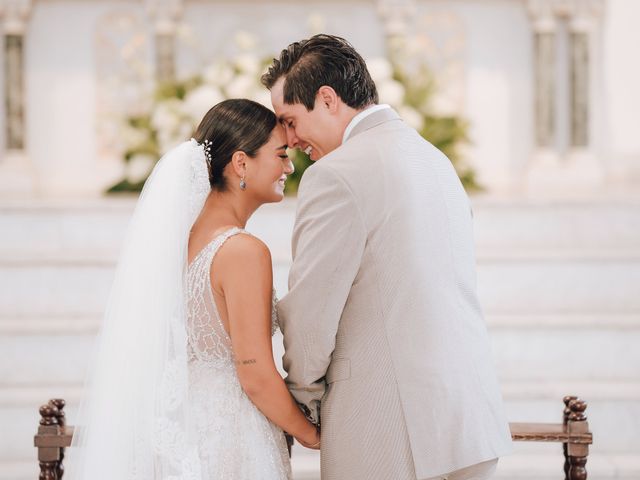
133	422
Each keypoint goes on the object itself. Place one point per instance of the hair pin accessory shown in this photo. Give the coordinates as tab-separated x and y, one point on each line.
206	145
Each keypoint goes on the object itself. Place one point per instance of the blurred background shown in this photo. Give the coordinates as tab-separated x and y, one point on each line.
535	101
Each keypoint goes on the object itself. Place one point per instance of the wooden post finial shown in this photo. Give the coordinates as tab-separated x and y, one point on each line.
49	414
59	403
577	408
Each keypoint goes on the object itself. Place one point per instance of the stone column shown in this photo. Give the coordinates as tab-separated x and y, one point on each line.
544	39
582	48
165	15
563	159
544	159
582	158
579	89
17	176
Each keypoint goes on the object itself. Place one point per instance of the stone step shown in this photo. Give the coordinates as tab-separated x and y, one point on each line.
505	286
95	229
545	394
524	349
502	225
89	324
519	466
281	255
557	280
559	285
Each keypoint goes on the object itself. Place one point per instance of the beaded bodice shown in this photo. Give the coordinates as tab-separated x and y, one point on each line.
208	339
235	440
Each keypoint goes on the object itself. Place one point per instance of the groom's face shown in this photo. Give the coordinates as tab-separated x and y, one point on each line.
313	131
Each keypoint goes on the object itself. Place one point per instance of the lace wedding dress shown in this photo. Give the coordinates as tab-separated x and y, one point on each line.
235	440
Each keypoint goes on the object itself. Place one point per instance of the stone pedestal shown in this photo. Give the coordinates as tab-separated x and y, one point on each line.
18	177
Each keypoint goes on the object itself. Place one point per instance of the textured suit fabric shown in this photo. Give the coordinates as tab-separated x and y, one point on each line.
384	336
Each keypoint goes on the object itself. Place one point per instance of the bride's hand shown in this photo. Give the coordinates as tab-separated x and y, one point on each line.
312	441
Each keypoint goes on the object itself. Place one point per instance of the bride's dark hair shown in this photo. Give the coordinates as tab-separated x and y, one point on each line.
233	125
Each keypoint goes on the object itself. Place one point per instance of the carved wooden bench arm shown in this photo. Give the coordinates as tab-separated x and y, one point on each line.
573	433
54	436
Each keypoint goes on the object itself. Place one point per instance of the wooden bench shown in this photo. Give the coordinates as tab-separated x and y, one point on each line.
54	435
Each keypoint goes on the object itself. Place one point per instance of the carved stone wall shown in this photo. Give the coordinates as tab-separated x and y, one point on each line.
566	34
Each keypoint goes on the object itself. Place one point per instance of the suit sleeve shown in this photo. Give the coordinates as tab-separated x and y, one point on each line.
328	242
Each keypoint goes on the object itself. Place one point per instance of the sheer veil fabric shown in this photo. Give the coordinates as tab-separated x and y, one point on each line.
133	422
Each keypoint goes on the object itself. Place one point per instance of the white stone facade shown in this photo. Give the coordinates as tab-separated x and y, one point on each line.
577	127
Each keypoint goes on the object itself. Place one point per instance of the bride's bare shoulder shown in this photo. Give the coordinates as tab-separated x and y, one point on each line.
244	249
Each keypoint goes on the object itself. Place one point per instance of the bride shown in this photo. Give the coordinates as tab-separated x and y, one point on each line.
184	385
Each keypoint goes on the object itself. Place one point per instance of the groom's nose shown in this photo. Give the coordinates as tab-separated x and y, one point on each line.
292	139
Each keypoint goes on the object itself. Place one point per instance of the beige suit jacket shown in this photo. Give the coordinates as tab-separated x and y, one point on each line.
384	336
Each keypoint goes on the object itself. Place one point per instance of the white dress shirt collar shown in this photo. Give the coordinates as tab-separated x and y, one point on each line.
360	116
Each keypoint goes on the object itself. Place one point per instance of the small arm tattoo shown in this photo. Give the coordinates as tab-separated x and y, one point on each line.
250	361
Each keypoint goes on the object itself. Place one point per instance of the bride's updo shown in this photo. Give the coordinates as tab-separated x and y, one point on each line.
233	125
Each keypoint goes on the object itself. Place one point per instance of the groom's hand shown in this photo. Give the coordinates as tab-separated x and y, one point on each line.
307	413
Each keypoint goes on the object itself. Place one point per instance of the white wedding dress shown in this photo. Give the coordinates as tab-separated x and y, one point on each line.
235	441
162	398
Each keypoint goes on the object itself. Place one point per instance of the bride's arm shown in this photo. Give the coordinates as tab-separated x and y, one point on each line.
244	273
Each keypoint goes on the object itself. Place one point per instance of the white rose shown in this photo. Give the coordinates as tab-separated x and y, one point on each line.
248	64
380	69
416	45
444	105
168	140
241	86
411	116
166	115
391	92
218	74
187	129
138	168
199	100
133	136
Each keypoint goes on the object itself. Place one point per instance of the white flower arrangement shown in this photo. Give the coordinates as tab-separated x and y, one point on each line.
179	106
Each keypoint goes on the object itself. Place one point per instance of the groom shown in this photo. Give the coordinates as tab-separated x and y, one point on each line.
384	336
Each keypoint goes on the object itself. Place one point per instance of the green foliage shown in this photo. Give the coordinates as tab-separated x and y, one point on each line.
301	162
171	117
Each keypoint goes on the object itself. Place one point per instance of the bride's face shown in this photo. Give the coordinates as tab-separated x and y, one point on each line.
267	172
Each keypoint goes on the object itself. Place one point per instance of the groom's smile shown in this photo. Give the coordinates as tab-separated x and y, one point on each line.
309	130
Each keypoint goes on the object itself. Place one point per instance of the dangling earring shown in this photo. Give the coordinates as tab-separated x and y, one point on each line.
243	184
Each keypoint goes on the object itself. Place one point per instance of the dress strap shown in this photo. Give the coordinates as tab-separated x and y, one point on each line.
226	235
214	245
220	240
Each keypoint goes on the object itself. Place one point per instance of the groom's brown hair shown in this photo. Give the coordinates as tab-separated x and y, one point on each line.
322	60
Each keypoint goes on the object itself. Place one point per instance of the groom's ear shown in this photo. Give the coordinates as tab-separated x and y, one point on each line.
328	98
